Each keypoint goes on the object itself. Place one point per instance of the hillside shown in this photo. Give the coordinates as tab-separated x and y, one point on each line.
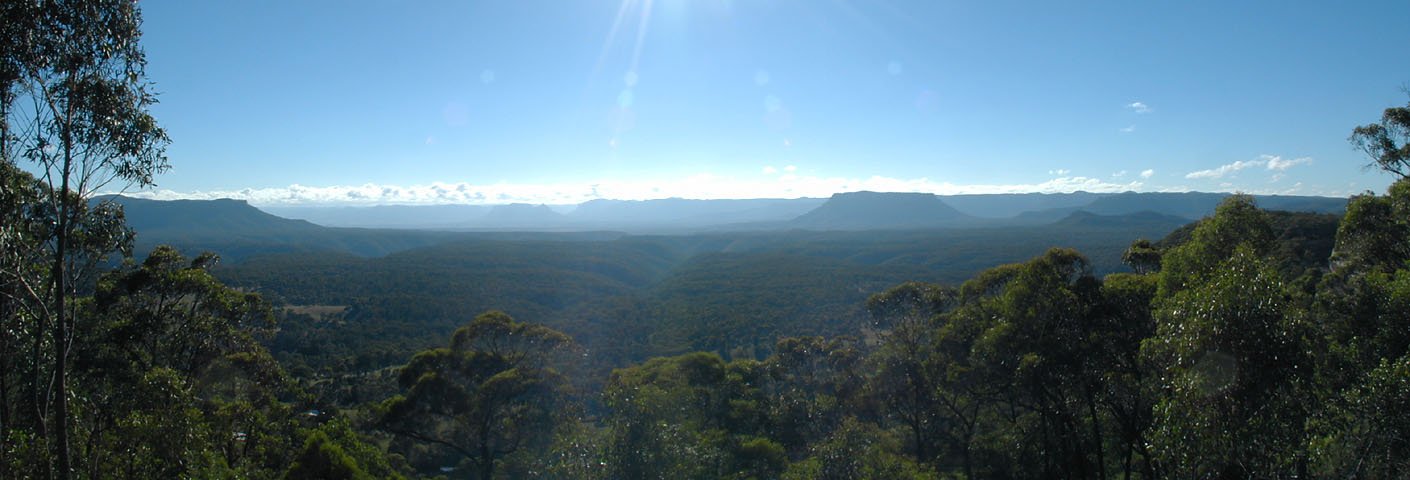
520	216
1008	205
876	210
236	230
628	297
1085	219
1195	205
196	217
680	212
386	216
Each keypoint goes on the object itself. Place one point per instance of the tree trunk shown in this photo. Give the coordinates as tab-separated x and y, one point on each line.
486	463
968	461
1126	462
61	330
921	406
37	393
1097	435
4	403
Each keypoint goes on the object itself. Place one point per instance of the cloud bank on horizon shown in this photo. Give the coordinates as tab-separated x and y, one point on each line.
701	186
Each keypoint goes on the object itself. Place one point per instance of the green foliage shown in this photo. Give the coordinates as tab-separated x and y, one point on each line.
909	302
334	450
624	299
1372	234
1387	142
690	416
812	384
323	459
1267	344
1142	257
723	302
1367	432
1125	389
494	392
170	367
1039	348
80	67
857	450
1233	373
1236	222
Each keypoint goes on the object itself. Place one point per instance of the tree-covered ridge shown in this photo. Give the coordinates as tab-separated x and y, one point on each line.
628	298
1216	366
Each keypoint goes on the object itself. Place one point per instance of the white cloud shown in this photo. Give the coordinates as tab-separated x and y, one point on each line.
1277	163
1128	129
1059	172
790	168
1119	174
770	170
1139	107
1147	173
1223	170
699	186
1270	162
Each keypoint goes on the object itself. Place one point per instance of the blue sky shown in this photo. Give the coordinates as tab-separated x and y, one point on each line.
364	102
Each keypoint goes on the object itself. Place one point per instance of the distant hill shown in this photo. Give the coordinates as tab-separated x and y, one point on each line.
1007	205
1084	219
193	216
1290	203
1185	205
875	210
521	215
660	215
1196	205
387	216
680	212
235	230
681	216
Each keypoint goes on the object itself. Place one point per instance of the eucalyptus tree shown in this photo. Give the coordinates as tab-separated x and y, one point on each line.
906	378
1363	308
1039	354
22	305
77	100
495	391
1229	355
1142	257
1387	142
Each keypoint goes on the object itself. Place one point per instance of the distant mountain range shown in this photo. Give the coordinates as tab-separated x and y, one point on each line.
236	229
843	211
670	214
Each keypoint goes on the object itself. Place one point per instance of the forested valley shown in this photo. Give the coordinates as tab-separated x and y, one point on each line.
1224	351
1248	344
